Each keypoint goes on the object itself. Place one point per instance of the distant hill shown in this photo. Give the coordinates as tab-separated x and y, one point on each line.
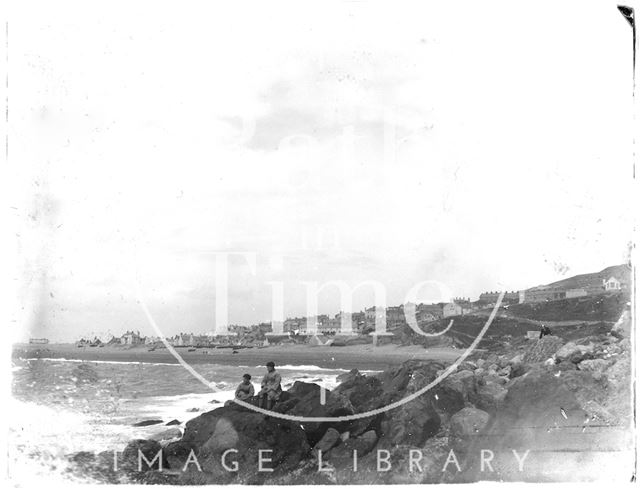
592	280
590	315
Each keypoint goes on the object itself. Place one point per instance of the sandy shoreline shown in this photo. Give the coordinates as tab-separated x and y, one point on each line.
362	357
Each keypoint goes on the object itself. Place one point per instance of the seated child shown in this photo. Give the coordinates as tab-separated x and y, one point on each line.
245	392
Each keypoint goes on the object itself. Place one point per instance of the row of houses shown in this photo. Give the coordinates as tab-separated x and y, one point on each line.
364	321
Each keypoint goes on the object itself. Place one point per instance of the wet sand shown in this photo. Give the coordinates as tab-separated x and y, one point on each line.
362	357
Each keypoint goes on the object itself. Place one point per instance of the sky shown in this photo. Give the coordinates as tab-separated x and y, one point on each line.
479	145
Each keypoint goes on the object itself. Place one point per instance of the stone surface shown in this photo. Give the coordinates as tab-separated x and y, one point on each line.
542	349
330	438
248	432
574	353
489	396
466	424
148	449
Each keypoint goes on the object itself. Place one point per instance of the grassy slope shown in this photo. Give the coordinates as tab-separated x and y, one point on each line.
512	327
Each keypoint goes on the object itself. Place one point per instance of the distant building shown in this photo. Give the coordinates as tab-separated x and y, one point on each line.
294	324
492	297
131	338
451	309
543	294
433	309
571	293
371	314
38	341
395	315
612	284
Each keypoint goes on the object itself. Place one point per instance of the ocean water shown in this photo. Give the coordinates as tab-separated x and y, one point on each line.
61	406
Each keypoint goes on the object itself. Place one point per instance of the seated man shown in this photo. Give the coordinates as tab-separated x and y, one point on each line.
245	391
270	391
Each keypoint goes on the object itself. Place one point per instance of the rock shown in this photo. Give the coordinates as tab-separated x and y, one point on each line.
328	441
518	369
505	371
534	402
345	377
488	397
148	422
413	465
303	389
542	349
597	367
248	432
619	373
363	392
517	359
177	453
132	456
337	404
574	353
363	444
411	424
466	424
463	382
494	378
173	422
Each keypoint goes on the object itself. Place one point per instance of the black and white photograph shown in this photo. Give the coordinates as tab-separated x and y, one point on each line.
299	243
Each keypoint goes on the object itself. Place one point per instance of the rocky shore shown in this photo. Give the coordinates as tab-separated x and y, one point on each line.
531	412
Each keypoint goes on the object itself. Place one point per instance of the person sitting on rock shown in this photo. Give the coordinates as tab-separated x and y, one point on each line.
271	389
544	330
244	391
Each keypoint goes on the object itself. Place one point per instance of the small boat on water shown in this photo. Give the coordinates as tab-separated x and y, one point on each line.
191	349
153	348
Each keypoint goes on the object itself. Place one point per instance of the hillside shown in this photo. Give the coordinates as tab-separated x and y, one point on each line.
586	316
589	280
602	307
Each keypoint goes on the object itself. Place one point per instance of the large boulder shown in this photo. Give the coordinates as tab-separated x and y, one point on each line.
465	425
138	453
362	391
248	432
488	396
575	353
309	405
463	382
411	424
362	444
419	419
597	367
330	438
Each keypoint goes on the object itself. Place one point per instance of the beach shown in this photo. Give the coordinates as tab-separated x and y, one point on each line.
362	357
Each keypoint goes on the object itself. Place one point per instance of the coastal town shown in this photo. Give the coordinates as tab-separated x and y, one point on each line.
325	329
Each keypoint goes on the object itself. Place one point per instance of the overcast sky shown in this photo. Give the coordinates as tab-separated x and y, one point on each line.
483	145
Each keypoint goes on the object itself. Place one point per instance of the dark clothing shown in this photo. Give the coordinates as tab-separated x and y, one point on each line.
545	330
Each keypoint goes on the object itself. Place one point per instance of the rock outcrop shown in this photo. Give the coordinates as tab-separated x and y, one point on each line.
542	395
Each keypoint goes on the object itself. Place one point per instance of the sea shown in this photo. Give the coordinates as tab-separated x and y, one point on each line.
62	406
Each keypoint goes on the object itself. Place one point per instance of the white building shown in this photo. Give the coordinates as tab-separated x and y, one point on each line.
612	284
